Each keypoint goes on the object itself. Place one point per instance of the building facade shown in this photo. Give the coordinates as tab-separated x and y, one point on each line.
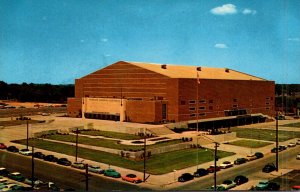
160	93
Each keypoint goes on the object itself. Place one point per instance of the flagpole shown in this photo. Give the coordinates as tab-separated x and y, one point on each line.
197	102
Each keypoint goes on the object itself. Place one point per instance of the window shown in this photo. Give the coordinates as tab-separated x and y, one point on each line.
202	114
235	100
211	101
193	115
267	98
202	108
192	102
192	108
267	108
202	101
234	106
267	103
182	102
211	108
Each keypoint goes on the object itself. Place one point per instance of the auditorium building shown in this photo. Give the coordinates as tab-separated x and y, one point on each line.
164	93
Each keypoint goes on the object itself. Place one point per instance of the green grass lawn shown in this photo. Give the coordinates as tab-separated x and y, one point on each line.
107	142
249	143
296	125
110	134
265	134
157	164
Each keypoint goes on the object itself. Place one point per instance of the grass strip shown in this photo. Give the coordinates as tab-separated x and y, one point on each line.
249	143
156	164
265	134
108	143
110	134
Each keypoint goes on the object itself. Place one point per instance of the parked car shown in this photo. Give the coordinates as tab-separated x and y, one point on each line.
16	176
50	158
3	171
226	164
239	161
292	144
212	168
282	147
9	187
26	152
112	173
218	188
64	161
78	165
132	178
274	150
262	185
251	157
185	177
13	149
298	156
259	155
295	188
35	181
298	142
3	146
200	172
228	184
95	169
269	168
240	179
39	155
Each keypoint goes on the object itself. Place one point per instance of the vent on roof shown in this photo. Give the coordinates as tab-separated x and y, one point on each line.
226	70
164	66
198	68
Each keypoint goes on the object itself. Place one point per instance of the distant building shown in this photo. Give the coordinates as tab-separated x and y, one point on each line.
161	93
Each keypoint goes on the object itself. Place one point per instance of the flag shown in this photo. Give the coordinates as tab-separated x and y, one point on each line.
198	79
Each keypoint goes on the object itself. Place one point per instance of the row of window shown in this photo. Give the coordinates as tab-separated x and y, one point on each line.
200	114
201	108
182	102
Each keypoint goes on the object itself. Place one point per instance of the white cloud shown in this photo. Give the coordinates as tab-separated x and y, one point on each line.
294	39
104	39
224	10
221	46
249	11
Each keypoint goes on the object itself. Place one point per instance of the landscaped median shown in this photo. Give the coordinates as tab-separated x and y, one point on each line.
156	164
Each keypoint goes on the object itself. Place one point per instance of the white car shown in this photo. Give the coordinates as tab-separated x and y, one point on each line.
228	184
226	164
26	152
298	142
298	156
3	180
8	187
292	144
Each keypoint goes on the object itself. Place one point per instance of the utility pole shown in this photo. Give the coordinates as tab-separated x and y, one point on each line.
277	150
86	177
32	168
145	158
27	134
215	165
76	144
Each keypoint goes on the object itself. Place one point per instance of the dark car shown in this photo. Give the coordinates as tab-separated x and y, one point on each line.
50	158
273	186
200	172
39	155
269	168
13	149
239	161
3	171
64	161
185	177
240	179
259	155
211	169
282	147
274	150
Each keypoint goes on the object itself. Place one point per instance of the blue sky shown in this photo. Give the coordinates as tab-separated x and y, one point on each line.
56	41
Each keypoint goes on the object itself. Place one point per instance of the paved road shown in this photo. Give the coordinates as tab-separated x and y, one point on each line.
63	176
250	169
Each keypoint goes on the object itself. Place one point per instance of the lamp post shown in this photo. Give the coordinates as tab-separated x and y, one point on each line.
215	154
277	141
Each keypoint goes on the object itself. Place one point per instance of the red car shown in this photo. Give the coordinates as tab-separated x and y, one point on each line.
2	146
132	178
211	168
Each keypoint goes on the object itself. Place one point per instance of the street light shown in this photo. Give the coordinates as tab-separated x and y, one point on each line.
215	163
